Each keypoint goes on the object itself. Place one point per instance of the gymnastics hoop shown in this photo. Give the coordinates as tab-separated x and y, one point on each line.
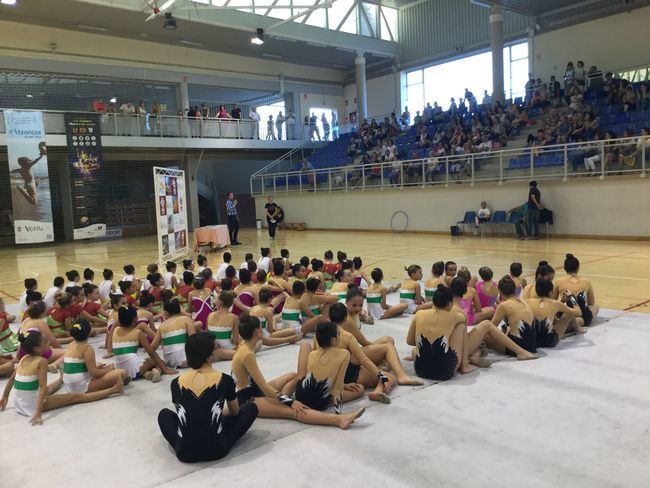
395	224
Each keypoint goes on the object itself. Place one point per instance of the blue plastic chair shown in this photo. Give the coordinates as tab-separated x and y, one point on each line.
470	218
499	217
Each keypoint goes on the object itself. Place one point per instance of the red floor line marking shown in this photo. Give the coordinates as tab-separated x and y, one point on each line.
635	306
8	295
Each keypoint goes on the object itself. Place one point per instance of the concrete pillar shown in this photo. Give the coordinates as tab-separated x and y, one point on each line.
531	50
496	43
183	94
360	72
396	83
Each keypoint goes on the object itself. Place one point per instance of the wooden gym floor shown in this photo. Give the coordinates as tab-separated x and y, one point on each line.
619	270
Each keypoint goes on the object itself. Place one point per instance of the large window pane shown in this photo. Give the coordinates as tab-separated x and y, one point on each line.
281	13
415	98
317	18
414	77
369	21
389	21
519	51
519	76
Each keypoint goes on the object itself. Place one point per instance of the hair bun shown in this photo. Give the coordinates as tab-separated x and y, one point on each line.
543	263
569	256
126	315
440	287
22	336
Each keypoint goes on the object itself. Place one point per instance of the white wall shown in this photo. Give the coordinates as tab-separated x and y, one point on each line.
32	42
381	95
615	207
615	42
308	100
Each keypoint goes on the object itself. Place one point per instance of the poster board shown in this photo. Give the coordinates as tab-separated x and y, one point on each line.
86	163
29	178
171	213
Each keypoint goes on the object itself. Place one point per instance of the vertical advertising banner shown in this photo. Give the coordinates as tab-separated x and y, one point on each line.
29	177
171	213
86	169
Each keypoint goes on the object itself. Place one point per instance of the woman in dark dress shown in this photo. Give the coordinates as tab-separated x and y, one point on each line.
201	429
271	210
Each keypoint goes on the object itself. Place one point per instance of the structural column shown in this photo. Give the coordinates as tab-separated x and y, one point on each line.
183	94
360	72
496	43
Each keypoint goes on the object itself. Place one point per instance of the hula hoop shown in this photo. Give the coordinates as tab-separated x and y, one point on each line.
396	225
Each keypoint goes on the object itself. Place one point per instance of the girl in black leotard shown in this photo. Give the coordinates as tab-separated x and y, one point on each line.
201	429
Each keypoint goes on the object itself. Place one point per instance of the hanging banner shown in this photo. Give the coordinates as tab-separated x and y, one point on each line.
171	213
29	177
86	169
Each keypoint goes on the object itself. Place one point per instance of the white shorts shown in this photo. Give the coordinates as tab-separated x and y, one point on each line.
174	359
80	386
25	402
132	365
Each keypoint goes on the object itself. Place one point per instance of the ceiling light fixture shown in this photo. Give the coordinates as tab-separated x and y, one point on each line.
258	38
8	2
29	95
113	100
170	21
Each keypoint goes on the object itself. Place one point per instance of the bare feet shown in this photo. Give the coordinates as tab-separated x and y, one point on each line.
153	375
579	330
525	356
479	361
119	386
467	369
348	419
380	397
407	380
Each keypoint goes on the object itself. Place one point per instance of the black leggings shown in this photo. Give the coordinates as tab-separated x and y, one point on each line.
218	447
233	228
272	226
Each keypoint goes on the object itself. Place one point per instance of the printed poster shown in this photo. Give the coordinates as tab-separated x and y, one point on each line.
29	177
86	170
171	213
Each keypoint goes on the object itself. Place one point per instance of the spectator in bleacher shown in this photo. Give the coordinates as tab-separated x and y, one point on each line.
629	99
627	151
99	106
205	111
534	204
391	153
578	130
644	96
579	73
437	111
487	99
427	113
529	88
554	91
423	138
591	125
127	108
396	172
453	108
614	92
255	117
112	109
307	167
235	113
279	122
471	100
611	151
417	120
433	163
291	126
326	127
569	78
405	119
313	127
483	215
485	145
413	169
352	148
575	99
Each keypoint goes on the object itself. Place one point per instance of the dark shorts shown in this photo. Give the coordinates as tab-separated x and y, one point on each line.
352	373
435	360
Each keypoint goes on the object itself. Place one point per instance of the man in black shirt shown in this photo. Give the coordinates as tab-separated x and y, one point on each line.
235	112
534	203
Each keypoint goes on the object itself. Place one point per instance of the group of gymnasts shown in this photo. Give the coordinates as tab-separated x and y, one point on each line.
197	318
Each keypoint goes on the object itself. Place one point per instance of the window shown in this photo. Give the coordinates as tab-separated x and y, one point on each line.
388	25
441	82
368	19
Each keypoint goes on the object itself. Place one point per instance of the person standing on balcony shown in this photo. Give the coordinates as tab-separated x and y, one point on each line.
291	126
271	216
99	106
313	127
279	121
270	135
326	127
255	117
233	219
235	113
534	199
